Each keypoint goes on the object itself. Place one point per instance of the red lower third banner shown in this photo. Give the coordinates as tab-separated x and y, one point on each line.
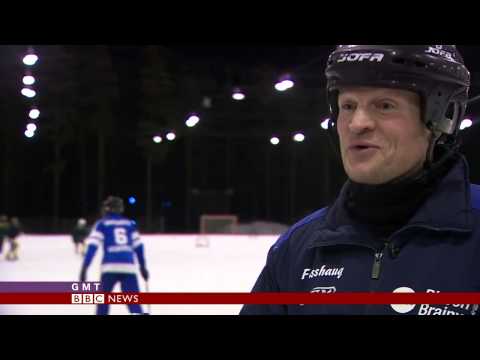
239	298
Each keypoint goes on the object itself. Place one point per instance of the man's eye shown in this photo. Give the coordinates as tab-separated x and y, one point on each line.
347	107
385	106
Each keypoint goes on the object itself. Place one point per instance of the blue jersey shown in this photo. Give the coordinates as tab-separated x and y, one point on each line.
120	240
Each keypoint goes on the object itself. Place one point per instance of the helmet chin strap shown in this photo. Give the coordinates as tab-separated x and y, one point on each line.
431	164
434	138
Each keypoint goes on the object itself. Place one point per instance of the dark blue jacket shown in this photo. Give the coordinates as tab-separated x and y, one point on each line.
437	251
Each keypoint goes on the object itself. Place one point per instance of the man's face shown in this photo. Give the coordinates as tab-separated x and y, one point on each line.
381	134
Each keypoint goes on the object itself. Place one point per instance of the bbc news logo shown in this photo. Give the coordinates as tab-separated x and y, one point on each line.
105	299
87	293
88	299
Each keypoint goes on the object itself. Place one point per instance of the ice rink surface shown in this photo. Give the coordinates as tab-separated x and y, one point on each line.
230	263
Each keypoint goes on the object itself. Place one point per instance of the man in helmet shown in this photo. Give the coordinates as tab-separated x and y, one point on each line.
79	233
120	240
407	219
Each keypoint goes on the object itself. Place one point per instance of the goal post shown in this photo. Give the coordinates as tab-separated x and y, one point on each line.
215	224
218	224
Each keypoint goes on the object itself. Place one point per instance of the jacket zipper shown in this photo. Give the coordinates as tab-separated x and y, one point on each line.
377	263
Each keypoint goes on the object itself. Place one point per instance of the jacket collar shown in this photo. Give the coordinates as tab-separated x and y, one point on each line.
447	209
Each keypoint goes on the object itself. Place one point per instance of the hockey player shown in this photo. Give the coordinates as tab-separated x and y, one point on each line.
4	226
79	233
14	230
120	240
408	218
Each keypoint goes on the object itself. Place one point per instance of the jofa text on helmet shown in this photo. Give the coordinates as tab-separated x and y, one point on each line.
435	50
351	57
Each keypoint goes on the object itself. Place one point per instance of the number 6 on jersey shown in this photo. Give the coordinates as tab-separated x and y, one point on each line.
120	235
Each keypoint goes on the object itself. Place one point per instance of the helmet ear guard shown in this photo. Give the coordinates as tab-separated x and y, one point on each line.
444	114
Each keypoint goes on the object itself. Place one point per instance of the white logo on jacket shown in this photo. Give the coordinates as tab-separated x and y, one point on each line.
323	271
427	309
323	290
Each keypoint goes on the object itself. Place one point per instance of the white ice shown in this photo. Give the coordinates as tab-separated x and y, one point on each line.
231	263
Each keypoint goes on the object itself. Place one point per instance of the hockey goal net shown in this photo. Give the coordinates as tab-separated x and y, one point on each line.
215	224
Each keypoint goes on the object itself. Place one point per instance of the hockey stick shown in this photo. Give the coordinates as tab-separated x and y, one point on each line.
149	310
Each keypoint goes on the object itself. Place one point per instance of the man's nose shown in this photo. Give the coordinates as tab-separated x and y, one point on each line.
361	121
